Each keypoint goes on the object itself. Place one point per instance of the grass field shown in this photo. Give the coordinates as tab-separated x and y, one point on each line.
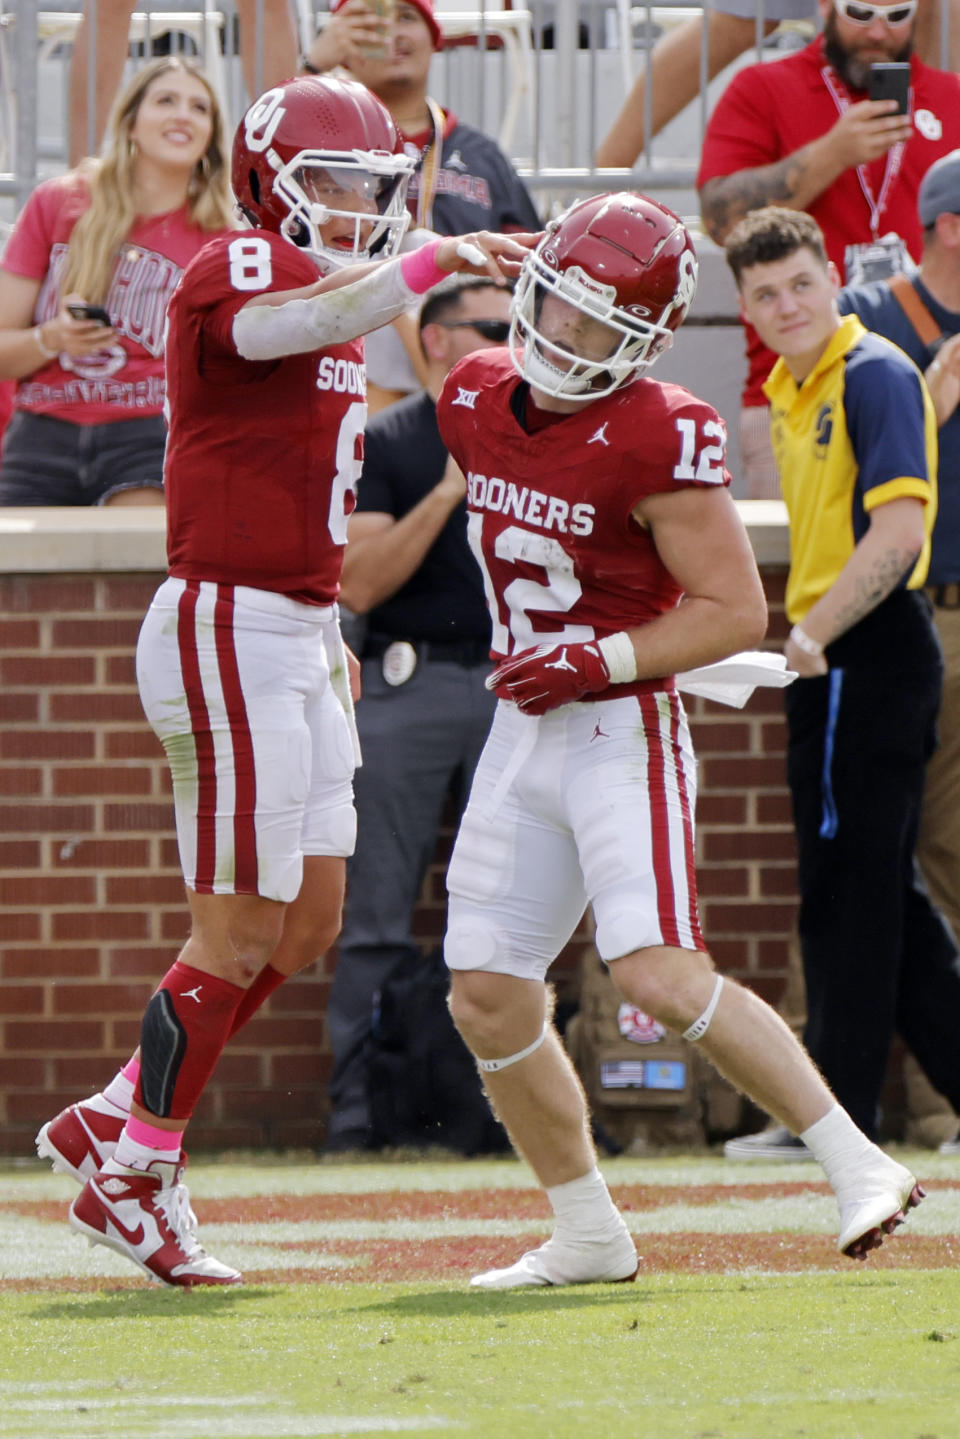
356	1317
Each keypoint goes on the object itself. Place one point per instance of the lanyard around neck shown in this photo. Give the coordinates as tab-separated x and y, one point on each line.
430	166
876	205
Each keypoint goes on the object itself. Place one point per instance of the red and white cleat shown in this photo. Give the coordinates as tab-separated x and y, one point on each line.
878	1204
81	1138
566	1259
146	1215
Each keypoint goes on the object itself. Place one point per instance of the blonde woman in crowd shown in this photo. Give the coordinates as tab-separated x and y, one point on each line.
85	281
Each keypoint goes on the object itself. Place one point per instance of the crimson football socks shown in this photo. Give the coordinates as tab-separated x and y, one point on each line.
259	991
185	1028
141	1143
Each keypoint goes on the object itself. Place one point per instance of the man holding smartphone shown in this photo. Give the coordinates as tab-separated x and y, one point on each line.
804	133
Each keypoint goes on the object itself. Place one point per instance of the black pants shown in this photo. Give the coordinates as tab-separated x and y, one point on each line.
419	740
878	958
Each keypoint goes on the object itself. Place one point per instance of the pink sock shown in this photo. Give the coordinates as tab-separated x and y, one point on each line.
165	1140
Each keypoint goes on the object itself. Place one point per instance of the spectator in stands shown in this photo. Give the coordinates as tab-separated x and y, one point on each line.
425	711
275	60
7	391
922	316
731	25
463	180
800	132
854	431
673	69
116	233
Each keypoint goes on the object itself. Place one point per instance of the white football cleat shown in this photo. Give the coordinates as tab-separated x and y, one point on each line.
568	1259
874	1203
82	1137
146	1215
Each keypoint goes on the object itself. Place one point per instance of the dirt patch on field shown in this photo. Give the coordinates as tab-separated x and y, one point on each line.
387	1206
437	1255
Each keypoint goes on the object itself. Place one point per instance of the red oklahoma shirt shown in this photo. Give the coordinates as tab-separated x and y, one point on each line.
125	381
768	111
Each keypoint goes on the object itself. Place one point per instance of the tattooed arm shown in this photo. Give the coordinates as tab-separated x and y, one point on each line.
863	133
889	550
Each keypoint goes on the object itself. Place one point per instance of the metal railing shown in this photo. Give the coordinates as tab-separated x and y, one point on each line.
558	71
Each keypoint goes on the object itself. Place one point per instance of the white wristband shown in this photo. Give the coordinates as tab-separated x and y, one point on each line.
806	642
620	658
42	346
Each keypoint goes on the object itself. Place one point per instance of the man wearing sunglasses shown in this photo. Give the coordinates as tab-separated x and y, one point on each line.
425	710
802	133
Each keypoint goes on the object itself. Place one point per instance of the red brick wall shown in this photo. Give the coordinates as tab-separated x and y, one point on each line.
92	908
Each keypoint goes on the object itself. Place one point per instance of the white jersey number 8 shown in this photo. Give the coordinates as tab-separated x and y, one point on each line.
251	264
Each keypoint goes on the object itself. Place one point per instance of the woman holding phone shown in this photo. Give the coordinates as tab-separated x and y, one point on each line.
85	281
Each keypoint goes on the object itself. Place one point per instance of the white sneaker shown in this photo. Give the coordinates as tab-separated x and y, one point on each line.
568	1259
776	1143
146	1215
950	1146
874	1203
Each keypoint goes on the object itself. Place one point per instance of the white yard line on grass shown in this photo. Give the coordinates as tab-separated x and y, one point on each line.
37	1249
31	1180
79	1411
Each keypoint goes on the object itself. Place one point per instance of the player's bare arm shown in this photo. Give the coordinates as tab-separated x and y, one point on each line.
702	541
888	551
361	298
863	133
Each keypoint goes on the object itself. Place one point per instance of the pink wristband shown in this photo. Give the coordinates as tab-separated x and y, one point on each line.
420	270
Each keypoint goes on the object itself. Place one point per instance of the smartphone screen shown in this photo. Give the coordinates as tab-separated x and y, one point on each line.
90	312
890	81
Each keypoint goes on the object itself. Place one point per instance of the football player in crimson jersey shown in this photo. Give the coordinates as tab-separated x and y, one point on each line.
240	664
613	558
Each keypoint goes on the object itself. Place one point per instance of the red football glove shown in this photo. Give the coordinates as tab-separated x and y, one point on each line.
550	675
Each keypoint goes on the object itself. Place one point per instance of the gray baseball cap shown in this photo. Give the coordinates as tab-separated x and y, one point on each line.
940	189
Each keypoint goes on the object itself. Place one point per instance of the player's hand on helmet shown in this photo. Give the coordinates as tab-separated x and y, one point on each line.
551	675
486	253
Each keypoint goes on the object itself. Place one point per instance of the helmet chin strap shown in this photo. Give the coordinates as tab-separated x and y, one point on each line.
537	366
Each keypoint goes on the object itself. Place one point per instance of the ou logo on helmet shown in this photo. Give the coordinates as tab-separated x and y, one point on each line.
262	120
687	280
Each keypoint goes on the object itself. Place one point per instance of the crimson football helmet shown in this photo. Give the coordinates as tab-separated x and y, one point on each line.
317	150
622	260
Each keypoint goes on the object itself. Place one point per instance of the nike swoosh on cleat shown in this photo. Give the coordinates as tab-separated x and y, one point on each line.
132	1236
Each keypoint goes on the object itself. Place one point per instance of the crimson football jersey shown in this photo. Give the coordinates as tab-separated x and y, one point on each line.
262	456
550	518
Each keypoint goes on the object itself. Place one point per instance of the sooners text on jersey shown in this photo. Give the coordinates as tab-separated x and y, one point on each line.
550	518
262	456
